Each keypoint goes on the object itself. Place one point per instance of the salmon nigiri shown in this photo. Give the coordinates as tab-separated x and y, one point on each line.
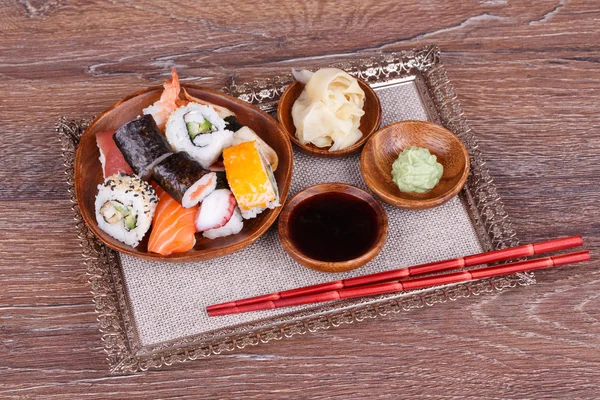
173	226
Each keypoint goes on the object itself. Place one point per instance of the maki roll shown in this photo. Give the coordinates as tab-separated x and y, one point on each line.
142	145
232	124
222	180
184	179
251	179
125	206
199	131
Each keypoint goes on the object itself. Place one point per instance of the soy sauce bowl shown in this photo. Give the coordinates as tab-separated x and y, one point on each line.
333	227
369	122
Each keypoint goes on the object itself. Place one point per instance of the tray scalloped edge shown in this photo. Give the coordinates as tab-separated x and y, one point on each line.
486	210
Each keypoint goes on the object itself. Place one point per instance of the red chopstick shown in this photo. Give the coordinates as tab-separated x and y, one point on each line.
411	284
456	263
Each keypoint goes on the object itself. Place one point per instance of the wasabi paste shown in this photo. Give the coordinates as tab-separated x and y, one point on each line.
416	170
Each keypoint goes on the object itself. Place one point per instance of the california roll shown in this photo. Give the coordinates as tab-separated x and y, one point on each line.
198	130
125	205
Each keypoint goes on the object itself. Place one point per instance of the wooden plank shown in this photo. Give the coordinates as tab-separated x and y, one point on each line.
526	74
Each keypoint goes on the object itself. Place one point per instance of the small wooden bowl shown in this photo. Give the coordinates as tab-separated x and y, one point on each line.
88	172
384	147
332	266
369	122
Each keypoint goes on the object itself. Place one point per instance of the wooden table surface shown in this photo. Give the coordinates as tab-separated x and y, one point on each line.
528	76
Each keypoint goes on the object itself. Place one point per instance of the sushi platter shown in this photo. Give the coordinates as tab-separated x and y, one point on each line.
177	192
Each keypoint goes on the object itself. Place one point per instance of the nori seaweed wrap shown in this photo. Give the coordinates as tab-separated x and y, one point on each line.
221	180
142	144
232	124
184	179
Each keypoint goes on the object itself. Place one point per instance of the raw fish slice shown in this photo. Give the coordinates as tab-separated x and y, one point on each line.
217	166
173	226
111	157
216	210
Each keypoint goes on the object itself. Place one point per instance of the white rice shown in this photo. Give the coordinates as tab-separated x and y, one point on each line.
102	159
207	147
134	193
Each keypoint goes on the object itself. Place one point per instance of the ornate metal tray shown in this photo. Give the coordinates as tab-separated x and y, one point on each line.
419	72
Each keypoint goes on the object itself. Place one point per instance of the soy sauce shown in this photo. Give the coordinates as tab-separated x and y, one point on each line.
333	227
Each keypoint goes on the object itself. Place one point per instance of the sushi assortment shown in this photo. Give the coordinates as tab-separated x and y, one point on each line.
185	166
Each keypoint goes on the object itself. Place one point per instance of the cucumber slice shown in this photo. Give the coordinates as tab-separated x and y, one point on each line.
206	126
130	222
193	129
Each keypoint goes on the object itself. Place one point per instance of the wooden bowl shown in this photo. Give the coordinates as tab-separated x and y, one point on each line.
369	122
88	172
384	147
332	266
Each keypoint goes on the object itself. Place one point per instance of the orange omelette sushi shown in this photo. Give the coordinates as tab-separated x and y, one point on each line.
173	226
250	178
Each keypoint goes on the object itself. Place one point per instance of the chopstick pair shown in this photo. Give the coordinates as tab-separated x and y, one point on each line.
396	280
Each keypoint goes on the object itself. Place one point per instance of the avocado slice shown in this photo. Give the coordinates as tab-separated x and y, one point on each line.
206	126
114	211
194	128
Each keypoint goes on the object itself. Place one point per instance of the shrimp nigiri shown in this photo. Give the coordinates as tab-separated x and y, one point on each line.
168	102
